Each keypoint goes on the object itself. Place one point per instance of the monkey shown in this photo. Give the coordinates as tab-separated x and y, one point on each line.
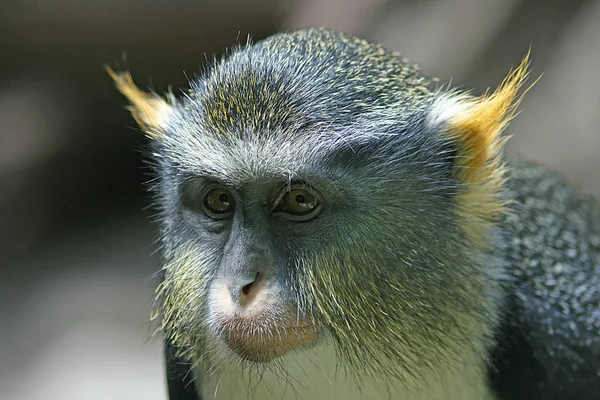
336	225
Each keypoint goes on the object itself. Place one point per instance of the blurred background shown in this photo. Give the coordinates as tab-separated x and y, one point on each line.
76	242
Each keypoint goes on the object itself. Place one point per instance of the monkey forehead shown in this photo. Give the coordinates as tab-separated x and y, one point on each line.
303	79
238	160
376	146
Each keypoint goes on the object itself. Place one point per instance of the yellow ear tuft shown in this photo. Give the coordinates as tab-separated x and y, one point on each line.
150	111
482	119
476	124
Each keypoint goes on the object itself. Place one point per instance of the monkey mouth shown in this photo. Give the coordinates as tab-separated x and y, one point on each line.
262	343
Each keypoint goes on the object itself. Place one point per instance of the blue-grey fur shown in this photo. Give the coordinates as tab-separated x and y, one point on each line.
348	118
549	343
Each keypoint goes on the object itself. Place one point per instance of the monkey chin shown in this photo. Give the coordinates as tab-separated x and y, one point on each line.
264	340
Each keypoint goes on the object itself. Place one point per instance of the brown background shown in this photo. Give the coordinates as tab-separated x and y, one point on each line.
75	240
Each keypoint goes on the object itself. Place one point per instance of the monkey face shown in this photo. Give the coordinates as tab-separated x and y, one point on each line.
275	245
311	189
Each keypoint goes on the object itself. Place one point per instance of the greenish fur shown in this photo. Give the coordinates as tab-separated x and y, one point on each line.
371	77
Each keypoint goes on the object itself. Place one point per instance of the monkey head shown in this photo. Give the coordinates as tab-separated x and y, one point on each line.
315	190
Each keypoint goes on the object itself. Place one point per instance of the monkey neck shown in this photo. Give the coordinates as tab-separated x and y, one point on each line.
313	375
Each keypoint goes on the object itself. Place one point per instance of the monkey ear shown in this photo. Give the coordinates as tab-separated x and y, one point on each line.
150	111
475	125
478	122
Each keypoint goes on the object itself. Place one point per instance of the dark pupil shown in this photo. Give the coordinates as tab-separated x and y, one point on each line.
223	198
300	199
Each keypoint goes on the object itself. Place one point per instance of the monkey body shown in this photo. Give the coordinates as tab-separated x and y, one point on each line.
548	345
331	226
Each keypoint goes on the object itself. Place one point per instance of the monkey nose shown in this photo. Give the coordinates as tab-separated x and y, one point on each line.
245	292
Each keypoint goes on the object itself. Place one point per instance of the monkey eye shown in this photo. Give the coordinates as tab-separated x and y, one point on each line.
213	199
298	203
218	202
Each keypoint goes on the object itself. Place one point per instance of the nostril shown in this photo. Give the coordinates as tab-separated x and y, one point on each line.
247	290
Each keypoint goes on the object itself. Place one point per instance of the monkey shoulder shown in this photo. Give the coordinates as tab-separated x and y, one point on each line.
548	344
180	378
